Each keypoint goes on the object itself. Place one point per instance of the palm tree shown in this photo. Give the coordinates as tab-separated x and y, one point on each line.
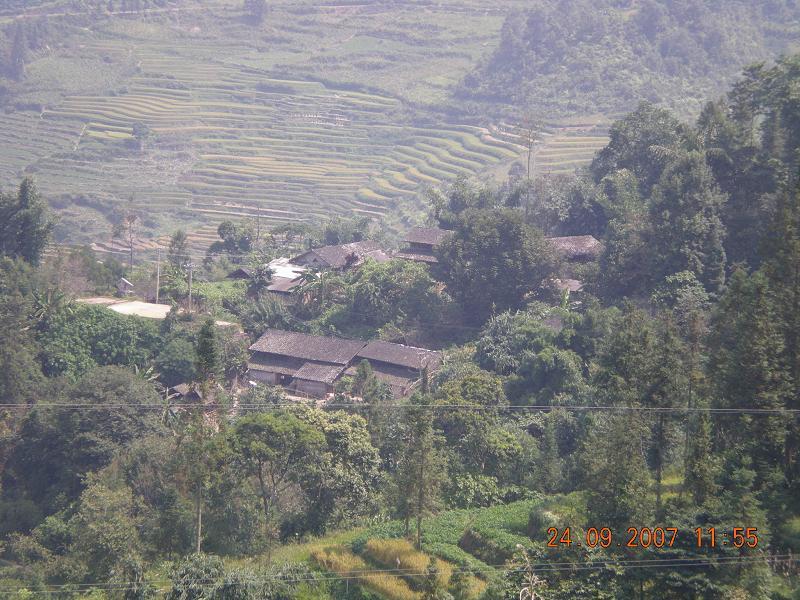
47	305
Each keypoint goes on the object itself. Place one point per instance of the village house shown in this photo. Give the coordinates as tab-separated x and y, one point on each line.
311	364
577	248
421	244
286	276
396	365
574	250
342	256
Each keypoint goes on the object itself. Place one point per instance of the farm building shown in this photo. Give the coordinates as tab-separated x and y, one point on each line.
396	365
311	364
577	248
342	256
241	273
285	276
421	244
568	285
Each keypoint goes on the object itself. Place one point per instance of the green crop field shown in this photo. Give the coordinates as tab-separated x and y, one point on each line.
322	110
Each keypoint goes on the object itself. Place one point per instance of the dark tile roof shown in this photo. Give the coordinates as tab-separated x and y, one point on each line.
308	347
432	236
400	379
576	246
397	354
311	371
241	273
570	285
186	390
417	257
344	255
283	284
273	363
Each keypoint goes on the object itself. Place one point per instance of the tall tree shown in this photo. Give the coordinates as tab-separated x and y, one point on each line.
208	363
273	450
782	266
747	365
687	231
178	250
493	262
25	225
637	144
422	468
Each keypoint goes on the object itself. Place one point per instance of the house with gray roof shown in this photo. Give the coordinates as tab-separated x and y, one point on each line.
576	248
342	256
396	365
421	244
311	364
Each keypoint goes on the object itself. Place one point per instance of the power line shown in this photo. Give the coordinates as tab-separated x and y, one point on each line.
356	574
264	407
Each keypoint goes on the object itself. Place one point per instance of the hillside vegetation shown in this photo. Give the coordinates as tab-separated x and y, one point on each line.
632	438
580	56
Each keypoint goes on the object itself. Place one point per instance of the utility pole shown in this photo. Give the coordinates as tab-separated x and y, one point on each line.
158	273
258	223
191	267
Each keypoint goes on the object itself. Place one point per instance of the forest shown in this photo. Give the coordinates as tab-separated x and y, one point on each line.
664	396
581	56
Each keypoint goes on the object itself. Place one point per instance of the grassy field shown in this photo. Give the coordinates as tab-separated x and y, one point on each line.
478	541
321	110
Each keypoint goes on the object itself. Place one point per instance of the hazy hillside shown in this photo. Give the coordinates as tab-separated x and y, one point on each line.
202	111
562	57
316	110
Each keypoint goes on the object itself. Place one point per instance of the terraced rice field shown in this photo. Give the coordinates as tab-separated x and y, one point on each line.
232	139
562	148
224	146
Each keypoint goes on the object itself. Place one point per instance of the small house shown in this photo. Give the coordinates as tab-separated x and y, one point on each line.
312	364
576	248
397	365
342	256
421	244
241	273
308	364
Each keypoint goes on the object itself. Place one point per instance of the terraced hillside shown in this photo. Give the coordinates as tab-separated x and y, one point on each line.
232	123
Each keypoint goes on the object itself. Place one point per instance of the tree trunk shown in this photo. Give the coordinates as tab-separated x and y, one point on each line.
265	501
198	506
659	462
420	499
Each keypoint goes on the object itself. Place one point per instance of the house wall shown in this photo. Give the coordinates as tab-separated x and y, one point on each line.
263	376
316	389
421	248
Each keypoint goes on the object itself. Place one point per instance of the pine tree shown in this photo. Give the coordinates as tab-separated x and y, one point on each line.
687	232
422	469
748	368
178	251
551	462
208	353
666	390
782	267
25	225
700	468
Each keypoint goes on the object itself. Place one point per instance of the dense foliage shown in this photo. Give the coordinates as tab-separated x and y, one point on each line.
586	56
663	394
